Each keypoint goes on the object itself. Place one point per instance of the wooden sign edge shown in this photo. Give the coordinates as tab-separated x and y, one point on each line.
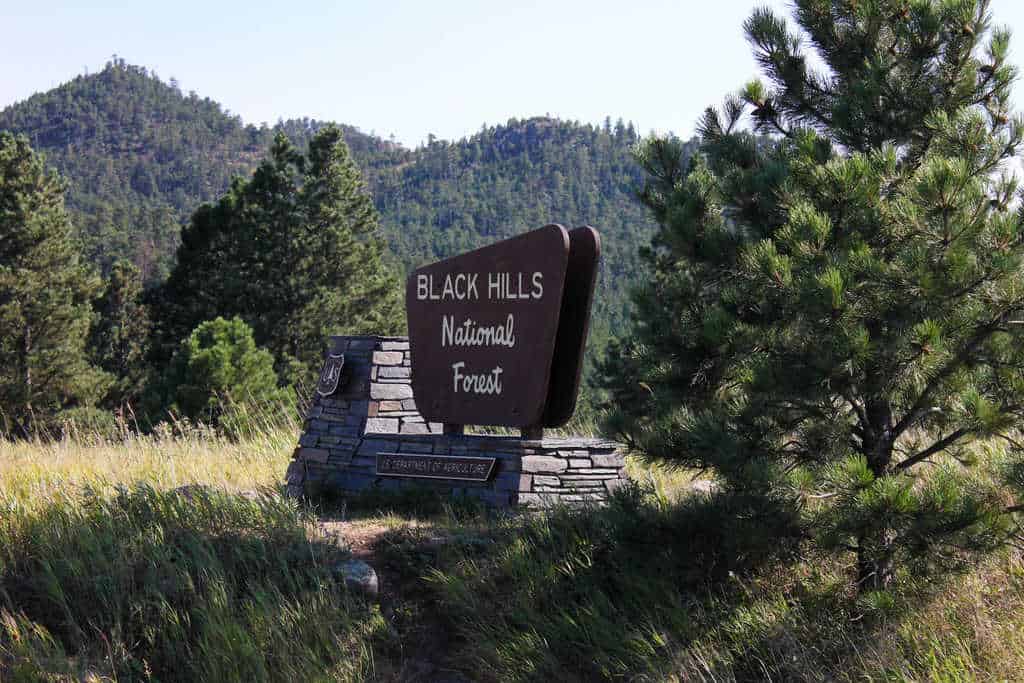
573	325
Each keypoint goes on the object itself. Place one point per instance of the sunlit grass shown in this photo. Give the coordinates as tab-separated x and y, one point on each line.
36	470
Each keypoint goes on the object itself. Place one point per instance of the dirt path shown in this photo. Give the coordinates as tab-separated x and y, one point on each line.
423	645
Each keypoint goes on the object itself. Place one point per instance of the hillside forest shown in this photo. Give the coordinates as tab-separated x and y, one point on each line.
139	159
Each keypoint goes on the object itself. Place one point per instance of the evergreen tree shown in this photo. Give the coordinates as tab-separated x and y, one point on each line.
119	339
293	251
217	370
45	295
836	314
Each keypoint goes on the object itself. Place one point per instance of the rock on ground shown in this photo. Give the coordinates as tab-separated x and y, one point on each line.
359	576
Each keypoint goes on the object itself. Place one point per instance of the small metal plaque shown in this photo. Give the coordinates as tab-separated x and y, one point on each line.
331	374
434	466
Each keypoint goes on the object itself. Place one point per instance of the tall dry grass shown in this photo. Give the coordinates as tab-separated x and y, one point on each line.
170	557
176	454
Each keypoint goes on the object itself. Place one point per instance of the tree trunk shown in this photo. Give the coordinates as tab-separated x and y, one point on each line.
875	562
875	547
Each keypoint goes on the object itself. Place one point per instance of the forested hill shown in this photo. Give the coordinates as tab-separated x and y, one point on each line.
140	156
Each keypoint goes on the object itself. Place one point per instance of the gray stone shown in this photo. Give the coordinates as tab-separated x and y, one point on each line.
576	463
583	487
344	430
399	372
409	404
610	460
388	358
333	403
542	480
390	391
413	428
359	577
377	446
313	454
381	425
543	463
389	406
394	346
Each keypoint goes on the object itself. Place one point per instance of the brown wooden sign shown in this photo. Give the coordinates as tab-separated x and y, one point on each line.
434	466
486	327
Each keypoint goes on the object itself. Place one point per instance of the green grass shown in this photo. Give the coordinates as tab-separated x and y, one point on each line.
138	583
110	572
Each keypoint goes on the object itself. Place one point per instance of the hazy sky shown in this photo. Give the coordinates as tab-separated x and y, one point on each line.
410	68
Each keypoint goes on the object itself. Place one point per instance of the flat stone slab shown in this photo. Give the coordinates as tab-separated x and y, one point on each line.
390	391
543	463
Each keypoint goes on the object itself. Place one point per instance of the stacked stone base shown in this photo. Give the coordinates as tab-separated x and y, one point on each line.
373	413
571	471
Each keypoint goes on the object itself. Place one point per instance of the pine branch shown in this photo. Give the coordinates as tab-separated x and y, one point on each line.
934	448
922	404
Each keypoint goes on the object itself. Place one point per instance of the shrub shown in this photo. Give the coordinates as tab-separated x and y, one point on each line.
220	377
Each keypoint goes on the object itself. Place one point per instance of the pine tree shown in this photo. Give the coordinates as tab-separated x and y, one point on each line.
45	294
293	251
119	339
218	374
837	311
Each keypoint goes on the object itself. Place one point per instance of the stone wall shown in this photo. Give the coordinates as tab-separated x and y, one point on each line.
373	412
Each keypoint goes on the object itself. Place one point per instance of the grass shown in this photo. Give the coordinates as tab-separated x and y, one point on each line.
35	471
111	571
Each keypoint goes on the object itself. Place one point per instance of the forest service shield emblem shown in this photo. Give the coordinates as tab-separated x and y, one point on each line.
331	374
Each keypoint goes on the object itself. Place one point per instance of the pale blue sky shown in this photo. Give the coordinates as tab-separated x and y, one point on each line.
410	68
